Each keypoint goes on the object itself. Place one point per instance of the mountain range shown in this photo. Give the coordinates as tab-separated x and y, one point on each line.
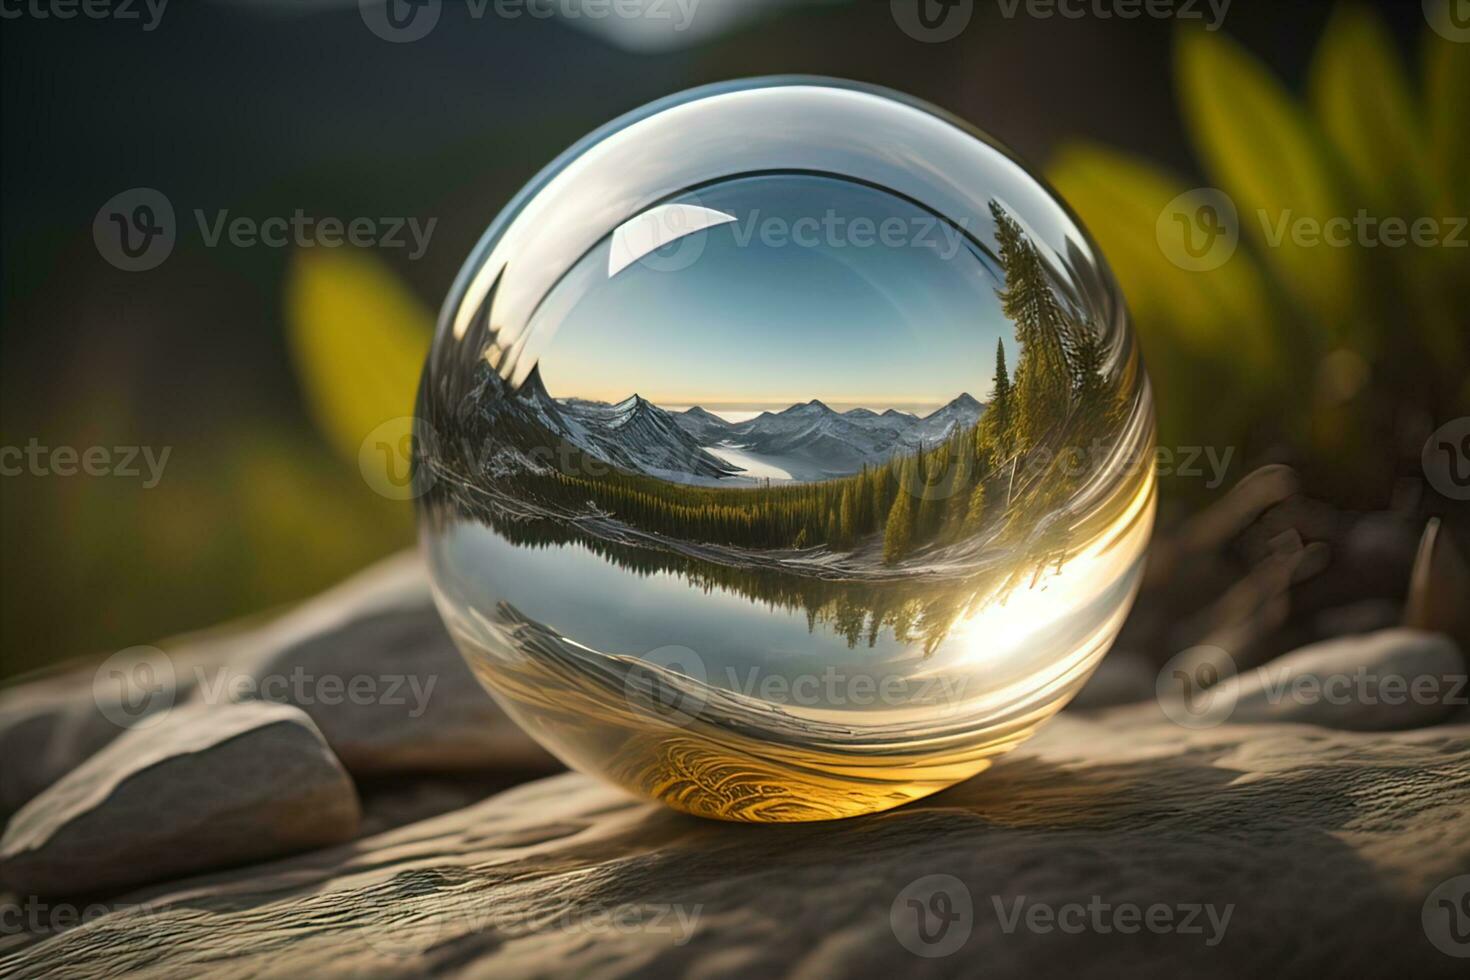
804	442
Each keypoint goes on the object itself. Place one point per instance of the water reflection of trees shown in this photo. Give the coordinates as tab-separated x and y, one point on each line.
914	610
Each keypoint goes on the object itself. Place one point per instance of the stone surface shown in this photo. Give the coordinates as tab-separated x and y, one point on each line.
1392	679
204	788
1324	845
369	661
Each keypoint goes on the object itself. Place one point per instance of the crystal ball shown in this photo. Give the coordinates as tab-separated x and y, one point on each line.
784	452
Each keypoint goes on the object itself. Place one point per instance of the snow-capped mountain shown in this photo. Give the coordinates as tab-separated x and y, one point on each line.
963	411
707	427
818	439
634	434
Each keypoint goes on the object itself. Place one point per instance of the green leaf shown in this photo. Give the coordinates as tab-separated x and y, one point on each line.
1202	332
1262	150
1447	103
1222	313
1361	96
358	340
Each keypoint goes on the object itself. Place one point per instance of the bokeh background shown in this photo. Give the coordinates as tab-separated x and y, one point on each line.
262	369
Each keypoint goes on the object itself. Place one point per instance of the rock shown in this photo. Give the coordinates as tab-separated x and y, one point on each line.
369	661
1272	850
1392	679
1439	587
374	667
204	788
51	723
46	729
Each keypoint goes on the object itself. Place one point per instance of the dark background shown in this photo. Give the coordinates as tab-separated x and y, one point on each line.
264	108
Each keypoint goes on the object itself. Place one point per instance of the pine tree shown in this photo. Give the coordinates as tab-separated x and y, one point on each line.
975	513
1041	383
847	522
999	414
899	529
1089	383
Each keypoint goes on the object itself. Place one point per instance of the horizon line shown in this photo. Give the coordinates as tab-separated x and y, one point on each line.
778	405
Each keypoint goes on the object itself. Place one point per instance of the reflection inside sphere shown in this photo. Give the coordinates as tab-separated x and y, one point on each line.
785	453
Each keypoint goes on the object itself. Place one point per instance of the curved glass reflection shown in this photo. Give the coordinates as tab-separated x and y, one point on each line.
787	453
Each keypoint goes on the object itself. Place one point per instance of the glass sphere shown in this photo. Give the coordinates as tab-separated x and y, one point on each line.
785	452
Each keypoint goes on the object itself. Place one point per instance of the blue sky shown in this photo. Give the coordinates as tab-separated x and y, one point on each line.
755	322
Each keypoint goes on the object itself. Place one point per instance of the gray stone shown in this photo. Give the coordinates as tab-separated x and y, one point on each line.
198	789
1392	679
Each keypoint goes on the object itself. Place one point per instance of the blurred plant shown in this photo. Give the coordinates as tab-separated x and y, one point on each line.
358	341
1349	354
